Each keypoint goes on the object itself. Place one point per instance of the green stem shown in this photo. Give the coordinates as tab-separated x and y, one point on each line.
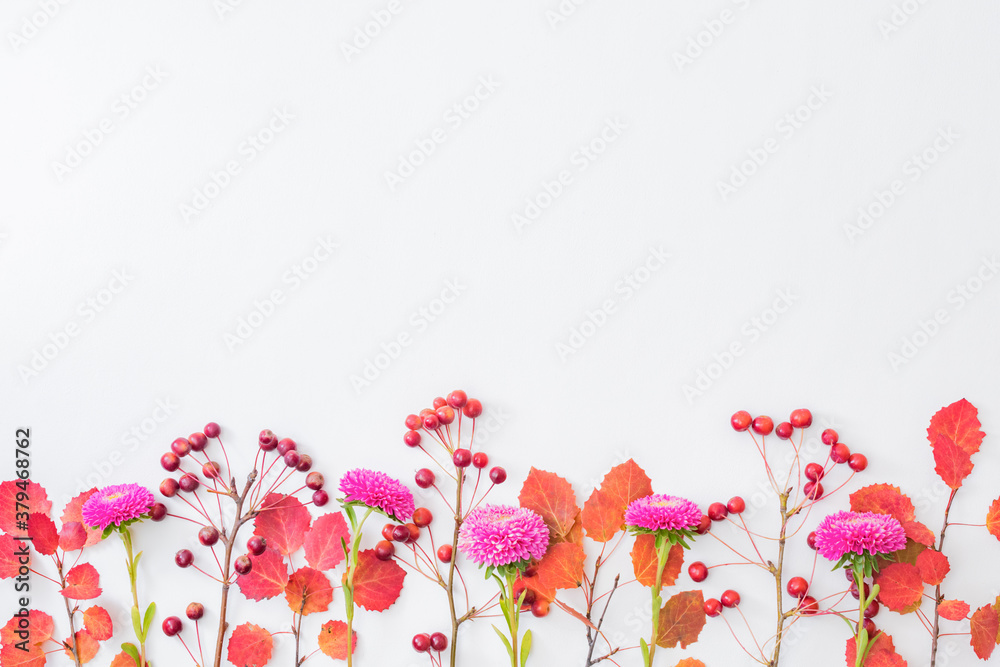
132	575
861	639
352	563
662	551
515	612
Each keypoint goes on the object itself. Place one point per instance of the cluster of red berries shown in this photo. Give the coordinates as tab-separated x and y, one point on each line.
172	625
539	607
798	588
423	642
729	599
406	533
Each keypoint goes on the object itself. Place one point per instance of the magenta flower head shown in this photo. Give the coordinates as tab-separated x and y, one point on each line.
118	505
501	536
858	537
379	491
669	516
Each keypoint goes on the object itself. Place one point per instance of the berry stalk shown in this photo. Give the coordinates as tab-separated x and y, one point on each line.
230	541
455	620
69	613
776	570
937	591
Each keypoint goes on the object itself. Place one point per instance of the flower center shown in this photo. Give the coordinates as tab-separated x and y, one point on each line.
113	496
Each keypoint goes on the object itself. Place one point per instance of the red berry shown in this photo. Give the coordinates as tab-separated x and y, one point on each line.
763	425
171	626
529	595
713	607
431	422
305	463
741	420
811	540
498	475
387	531
801	418
256	545
181	447
438	641
413	422
814	472
168	487
243	565
457	399
462	458
705	525
170	462
829	436
184	558
858	462
870	627
808	606
384	550
158	512
212	430
736	505
480	460
439	403
422	517
444	553
717	512
421	643
871	611
424	413
292	458
188	483
315	481
445	415
411	438
195	610
854	588
783	430
840	453
400	533
730	599
424	478
320	498
211	470
414	532
540	608
286	445
208	535
698	571
267	440
198	441
473	408
797	587
813	490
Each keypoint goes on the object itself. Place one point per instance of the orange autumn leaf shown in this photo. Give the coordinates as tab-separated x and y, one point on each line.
985	625
266	578
552	498
377	583
644	562
82	583
953	610
882	653
604	511
952	463
960	423
86	646
900	587
333	640
97	622
40	629
324	543
308	591
37	502
681	620
283	522
11	656
123	659
993	519
933	566
250	646
9	554
690	662
562	566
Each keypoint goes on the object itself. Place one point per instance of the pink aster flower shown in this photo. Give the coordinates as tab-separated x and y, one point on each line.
501	535
378	490
114	505
661	512
859	533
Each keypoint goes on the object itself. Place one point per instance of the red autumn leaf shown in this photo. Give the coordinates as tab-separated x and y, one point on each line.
40	628
552	498
10	656
535	583
98	623
72	536
82	583
123	659
575	534
952	463
933	566
43	533
333	640
953	610
74	512
690	662
887	499
984	625
960	423
918	532
644	562
681	620
562	566
250	646
324	549
9	550
604	511
37	502
993	519
908	554
882	653
308	591
86	647
900	587
574	613
283	522
266	578
377	583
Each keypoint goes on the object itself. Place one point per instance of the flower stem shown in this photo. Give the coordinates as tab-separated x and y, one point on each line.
662	551
130	560
514	613
352	563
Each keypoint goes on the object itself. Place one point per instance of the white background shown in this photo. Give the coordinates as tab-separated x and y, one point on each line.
858	296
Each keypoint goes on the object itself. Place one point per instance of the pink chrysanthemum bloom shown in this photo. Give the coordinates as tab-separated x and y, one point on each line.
378	490
662	512
114	505
499	535
859	533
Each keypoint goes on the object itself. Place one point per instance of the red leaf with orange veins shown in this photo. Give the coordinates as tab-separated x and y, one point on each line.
10	656
882	653
283	522
266	578
953	610
98	623
123	659
933	566
40	628
74	512
10	551
72	536
82	583
377	583
333	640
985	625
552	497
562	566
681	620
900	587
37	502
644	562
308	591
960	423
993	519
535	583
918	532
952	463
575	534
604	511
43	533
86	647
250	646
324	549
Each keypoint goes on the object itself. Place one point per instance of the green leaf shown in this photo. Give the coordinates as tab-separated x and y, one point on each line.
506	613
107	531
506	642
132	651
645	651
525	648
147	621
137	625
